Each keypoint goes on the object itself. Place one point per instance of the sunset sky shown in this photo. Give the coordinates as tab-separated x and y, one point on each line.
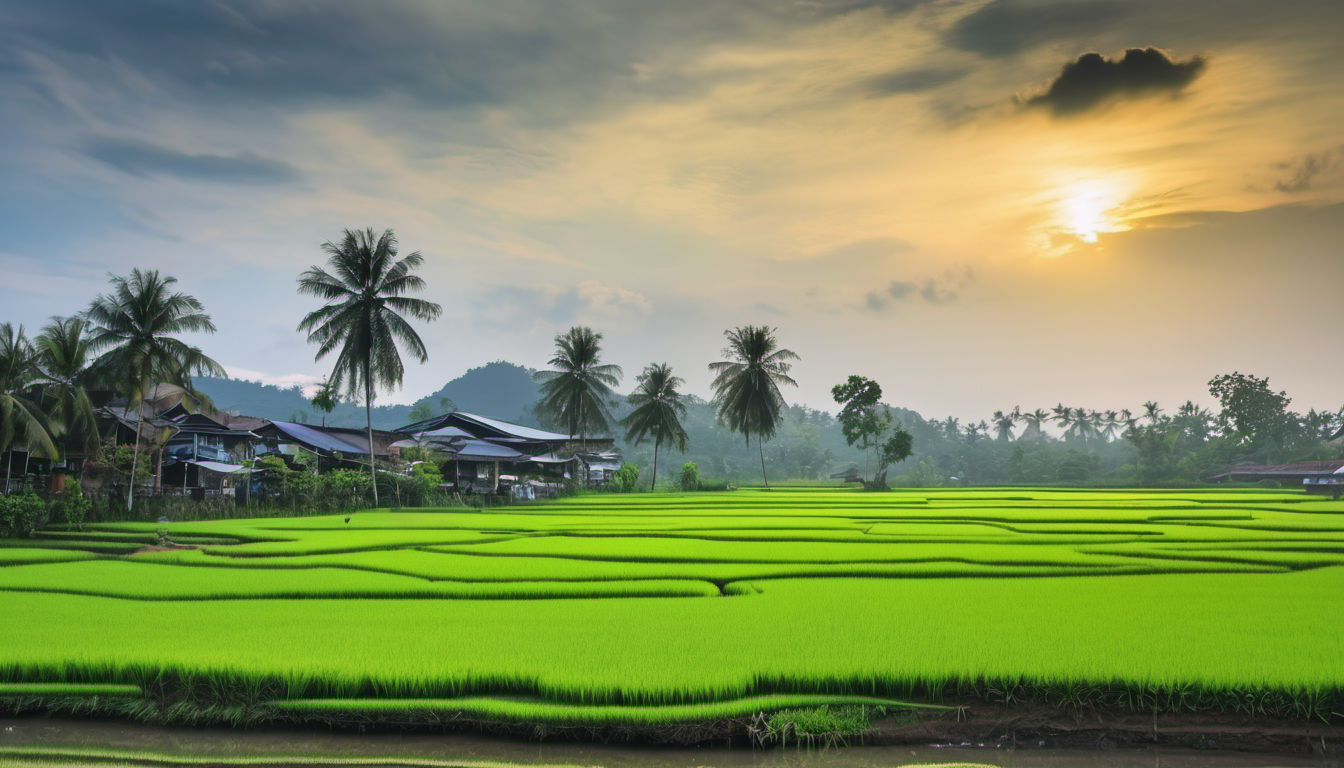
942	196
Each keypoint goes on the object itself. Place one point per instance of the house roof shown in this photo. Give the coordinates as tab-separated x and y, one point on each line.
320	440
479	426
509	429
484	450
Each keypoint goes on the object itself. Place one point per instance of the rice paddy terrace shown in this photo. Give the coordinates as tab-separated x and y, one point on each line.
653	608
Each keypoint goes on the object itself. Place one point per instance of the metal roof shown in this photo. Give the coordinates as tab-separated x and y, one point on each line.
510	429
483	450
316	439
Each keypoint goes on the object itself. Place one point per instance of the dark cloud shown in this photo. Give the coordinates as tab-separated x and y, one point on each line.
1304	170
912	81
1006	27
939	290
1092	79
143	159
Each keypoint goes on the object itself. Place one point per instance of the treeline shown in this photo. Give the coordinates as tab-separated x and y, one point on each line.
1152	445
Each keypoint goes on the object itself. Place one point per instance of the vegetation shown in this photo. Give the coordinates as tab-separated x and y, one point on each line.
134	328
363	317
864	423
657	408
577	395
640	608
746	386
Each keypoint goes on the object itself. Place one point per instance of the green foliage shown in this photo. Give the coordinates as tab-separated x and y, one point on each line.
364	317
689	478
1257	413
829	725
747	399
20	515
657	410
72	507
577	395
625	479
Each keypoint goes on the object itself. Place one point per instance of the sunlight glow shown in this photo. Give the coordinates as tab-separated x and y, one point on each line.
1086	208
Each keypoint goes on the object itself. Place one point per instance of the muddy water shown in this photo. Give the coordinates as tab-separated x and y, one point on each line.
201	744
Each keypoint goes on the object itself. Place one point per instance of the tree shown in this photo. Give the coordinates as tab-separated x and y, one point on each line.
1003	424
63	362
325	399
746	387
363	317
134	327
657	408
21	420
578	393
864	423
1257	414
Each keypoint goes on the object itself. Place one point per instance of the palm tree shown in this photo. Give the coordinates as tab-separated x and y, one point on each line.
657	405
578	393
21	420
363	316
1033	420
63	360
133	327
1003	424
746	388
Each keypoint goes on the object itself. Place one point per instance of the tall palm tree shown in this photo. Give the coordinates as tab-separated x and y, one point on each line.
363	316
746	387
63	360
21	420
657	406
1003	424
1033	420
578	392
133	327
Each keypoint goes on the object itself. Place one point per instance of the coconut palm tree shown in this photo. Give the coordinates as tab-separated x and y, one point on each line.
657	405
1033	420
21	421
746	387
578	392
63	361
363	317
133	327
1003	424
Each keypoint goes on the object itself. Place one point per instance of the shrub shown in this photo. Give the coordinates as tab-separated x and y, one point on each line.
625	479
21	515
74	507
690	477
344	489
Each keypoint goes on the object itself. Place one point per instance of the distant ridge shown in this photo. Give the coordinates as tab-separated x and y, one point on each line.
499	390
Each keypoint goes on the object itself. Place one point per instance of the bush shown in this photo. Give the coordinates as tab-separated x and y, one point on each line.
342	490
73	508
21	515
625	479
690	477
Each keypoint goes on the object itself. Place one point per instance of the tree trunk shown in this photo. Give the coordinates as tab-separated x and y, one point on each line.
9	466
135	455
760	443
654	484
368	417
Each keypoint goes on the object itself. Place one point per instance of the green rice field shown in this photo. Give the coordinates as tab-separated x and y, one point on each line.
645	608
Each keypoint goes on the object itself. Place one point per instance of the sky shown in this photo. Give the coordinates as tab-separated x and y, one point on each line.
978	204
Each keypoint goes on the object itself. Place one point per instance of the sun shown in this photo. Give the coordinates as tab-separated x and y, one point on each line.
1086	209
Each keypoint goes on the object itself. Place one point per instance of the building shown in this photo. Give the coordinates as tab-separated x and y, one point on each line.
1324	477
492	456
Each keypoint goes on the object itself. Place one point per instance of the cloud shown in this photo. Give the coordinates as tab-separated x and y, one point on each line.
1007	27
145	159
1304	170
307	382
913	81
1092	79
588	303
933	290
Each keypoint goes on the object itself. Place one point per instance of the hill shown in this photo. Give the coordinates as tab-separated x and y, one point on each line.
499	389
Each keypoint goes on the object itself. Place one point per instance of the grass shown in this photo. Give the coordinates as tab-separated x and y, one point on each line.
645	603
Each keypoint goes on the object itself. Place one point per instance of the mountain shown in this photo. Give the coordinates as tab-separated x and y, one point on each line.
499	390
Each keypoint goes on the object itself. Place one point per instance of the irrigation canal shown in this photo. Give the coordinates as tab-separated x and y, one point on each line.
71	742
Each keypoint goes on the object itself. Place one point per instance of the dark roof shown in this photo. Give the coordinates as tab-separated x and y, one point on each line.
1292	471
484	450
313	437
